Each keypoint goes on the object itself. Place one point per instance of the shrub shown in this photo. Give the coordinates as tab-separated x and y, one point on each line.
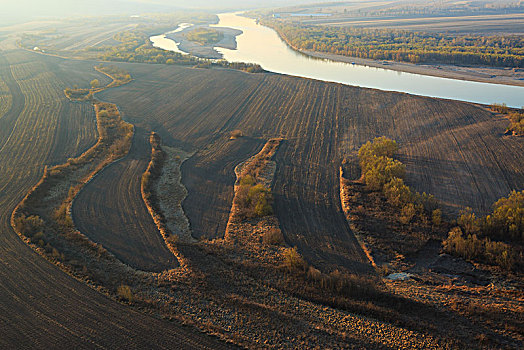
507	219
380	170
37	238
499	108
293	261
436	217
125	292
235	134
103	114
379	147
397	193
247	180
516	123
253	200
468	221
273	236
314	274
61	215
407	213
378	166
30	225
484	250
261	197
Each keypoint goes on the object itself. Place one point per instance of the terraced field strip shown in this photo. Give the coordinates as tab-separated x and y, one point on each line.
209	178
40	306
5	98
123	224
453	150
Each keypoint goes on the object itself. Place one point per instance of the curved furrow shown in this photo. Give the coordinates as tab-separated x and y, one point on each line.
110	211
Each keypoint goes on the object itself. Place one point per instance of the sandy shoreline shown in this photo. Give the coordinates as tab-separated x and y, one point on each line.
206	51
505	76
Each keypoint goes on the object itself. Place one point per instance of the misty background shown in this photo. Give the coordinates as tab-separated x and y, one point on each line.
13	11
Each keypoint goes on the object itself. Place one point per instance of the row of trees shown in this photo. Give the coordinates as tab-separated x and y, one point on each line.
407	46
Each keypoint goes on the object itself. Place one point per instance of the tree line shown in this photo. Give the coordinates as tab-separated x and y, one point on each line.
404	45
135	46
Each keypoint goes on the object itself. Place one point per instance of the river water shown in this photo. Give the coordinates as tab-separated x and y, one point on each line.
262	45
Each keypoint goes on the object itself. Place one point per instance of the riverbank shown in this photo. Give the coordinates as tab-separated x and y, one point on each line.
493	75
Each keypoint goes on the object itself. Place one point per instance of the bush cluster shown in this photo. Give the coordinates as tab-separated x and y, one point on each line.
120	76
480	249
378	166
485	238
273	237
253	200
516	119
336	281
505	223
383	173
125	292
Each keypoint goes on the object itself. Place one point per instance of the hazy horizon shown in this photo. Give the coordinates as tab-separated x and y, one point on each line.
22	10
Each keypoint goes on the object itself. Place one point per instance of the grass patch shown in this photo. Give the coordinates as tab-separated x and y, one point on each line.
205	36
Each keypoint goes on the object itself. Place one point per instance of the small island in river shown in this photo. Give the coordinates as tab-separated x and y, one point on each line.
201	41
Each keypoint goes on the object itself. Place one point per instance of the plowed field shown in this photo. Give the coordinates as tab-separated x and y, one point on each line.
453	150
40	306
113	213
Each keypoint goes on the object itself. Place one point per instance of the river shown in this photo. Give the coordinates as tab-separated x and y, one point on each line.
262	45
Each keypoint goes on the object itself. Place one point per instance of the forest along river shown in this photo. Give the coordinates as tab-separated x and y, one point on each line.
262	45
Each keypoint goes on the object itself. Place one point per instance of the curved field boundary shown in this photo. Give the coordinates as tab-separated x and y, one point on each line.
262	168
41	307
456	151
43	218
114	199
344	202
149	191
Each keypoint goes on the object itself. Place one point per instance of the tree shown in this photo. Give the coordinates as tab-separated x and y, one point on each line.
95	83
468	221
397	193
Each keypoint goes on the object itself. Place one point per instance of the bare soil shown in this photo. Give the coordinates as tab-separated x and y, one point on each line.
111	206
41	306
454	150
171	192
